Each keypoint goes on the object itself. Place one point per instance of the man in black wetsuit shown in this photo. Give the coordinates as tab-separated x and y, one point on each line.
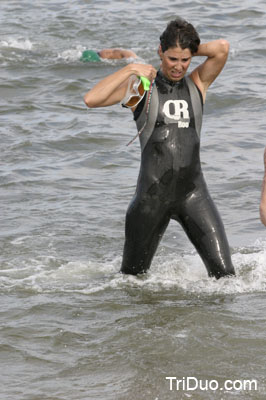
168	118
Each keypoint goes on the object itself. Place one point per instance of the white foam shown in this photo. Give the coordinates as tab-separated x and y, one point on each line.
72	54
20	240
188	274
22	44
168	272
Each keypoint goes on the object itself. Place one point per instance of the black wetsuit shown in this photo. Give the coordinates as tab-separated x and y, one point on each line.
171	185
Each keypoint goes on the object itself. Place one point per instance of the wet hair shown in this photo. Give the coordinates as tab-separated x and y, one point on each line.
182	33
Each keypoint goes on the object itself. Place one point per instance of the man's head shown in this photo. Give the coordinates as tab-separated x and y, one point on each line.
179	42
180	33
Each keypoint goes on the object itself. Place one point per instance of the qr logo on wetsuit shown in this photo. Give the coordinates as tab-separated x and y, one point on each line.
177	111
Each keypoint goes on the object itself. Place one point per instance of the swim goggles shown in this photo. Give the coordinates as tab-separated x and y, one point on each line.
135	92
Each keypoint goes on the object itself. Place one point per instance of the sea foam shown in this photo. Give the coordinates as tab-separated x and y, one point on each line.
168	272
22	44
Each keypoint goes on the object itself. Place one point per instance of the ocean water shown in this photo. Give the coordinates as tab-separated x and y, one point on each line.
72	327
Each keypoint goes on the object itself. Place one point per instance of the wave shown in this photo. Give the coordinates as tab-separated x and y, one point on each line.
44	52
169	272
73	54
22	44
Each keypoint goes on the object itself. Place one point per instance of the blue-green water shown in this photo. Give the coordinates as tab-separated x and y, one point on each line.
72	327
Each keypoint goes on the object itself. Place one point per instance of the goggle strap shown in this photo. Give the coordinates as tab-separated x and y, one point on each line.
146	112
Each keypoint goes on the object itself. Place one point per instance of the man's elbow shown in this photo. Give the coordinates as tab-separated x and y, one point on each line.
88	101
224	46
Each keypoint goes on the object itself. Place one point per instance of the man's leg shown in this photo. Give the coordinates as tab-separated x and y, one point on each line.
145	226
203	225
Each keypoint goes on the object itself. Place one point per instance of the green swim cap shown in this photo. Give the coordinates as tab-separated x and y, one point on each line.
90	55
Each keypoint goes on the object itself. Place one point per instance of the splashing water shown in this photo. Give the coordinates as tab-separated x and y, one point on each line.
168	272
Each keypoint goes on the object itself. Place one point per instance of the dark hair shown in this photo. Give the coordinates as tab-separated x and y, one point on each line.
180	32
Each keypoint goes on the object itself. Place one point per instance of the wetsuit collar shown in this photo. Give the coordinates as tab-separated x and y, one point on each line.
168	81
